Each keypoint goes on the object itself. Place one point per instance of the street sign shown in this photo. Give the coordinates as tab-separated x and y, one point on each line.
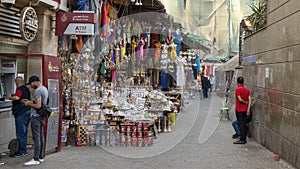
75	23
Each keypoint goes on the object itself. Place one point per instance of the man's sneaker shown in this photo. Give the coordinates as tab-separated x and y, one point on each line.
41	160
32	162
18	155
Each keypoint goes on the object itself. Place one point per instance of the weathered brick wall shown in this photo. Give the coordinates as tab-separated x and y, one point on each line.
274	80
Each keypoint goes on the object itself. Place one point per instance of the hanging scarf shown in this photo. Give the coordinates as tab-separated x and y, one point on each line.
198	63
104	19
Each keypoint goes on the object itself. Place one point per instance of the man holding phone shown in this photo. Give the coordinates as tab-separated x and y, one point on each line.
37	122
21	114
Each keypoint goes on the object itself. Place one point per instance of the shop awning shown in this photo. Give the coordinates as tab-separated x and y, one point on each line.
231	64
195	42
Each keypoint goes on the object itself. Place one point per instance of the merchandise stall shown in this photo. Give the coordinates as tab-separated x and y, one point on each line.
124	84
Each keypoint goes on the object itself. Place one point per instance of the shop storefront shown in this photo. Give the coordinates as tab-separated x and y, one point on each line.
24	31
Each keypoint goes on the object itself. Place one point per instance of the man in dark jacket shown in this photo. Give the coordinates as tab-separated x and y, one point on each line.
205	85
21	114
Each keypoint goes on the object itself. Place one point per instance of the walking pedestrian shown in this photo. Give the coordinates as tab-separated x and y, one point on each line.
212	82
205	85
21	114
37	122
242	109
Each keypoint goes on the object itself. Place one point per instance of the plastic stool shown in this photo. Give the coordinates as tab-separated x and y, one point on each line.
224	112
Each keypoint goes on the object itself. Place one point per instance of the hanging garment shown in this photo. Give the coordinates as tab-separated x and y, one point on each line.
82	5
102	67
123	51
154	38
172	52
157	51
133	44
195	73
198	63
177	41
211	70
180	75
78	45
104	19
169	40
140	50
128	49
164	79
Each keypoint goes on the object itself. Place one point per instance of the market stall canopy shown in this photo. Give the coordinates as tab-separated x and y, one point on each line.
231	64
195	42
213	58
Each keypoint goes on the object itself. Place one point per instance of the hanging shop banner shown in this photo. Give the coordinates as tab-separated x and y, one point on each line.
75	23
28	24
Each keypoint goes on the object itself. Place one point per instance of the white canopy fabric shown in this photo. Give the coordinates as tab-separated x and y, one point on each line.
213	20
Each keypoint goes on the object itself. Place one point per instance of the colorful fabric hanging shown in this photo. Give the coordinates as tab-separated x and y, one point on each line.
103	66
157	51
180	75
198	63
104	20
82	5
133	48
164	79
177	41
113	71
78	45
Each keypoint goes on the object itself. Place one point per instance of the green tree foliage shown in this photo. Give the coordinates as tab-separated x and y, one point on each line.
258	18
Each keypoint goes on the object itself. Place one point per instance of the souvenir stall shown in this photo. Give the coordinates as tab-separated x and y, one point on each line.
126	60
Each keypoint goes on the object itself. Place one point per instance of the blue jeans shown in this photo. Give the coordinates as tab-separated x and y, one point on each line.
37	127
235	126
22	122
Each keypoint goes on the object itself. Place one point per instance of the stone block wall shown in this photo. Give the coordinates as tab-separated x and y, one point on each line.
274	80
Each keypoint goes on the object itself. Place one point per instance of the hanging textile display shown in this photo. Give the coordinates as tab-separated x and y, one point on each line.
172	52
133	46
157	51
113	71
103	67
177	41
82	5
164	79
78	45
169	38
140	50
180	75
104	20
198	63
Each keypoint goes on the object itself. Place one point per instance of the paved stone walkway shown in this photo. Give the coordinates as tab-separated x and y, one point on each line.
199	140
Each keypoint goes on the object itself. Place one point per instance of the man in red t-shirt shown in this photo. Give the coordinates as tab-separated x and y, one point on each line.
242	108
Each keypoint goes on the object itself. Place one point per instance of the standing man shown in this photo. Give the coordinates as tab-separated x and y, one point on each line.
21	114
242	109
37	122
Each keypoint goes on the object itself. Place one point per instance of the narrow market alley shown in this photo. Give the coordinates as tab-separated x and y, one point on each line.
198	140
